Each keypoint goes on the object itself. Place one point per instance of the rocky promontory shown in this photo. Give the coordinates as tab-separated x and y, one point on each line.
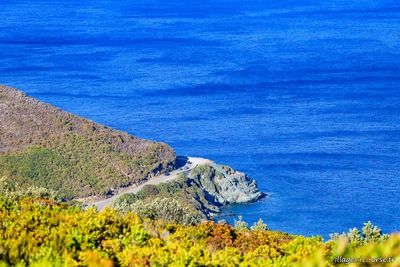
196	194
44	147
225	184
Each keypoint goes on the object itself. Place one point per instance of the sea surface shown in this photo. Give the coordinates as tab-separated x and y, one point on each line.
304	96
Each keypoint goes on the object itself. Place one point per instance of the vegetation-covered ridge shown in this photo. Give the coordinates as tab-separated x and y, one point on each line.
41	145
42	232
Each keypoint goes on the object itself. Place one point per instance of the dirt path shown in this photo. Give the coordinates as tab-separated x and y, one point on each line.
190	164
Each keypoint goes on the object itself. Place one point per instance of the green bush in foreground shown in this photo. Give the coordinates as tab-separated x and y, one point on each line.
181	200
41	232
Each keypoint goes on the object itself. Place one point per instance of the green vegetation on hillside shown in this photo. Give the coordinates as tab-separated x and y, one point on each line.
43	146
178	200
41	232
184	200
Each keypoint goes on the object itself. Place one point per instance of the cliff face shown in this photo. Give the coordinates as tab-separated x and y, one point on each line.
219	185
41	145
225	184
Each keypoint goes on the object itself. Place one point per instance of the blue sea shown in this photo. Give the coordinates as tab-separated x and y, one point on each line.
304	96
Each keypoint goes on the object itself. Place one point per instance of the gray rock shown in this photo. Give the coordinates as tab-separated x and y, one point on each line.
225	185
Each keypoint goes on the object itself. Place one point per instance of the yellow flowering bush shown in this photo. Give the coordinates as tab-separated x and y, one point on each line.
42	232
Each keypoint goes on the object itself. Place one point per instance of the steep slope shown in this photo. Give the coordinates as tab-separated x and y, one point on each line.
41	145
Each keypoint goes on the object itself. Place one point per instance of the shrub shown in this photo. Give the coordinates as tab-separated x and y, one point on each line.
167	209
259	225
369	233
240	224
41	232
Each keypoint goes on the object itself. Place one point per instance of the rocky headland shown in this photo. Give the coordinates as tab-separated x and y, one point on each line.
44	147
197	193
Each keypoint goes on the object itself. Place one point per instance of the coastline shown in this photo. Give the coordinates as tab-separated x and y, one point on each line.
90	161
201	188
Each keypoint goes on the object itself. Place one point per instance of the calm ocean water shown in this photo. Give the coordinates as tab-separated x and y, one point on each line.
302	96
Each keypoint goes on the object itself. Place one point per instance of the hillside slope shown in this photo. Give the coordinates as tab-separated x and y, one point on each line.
41	145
